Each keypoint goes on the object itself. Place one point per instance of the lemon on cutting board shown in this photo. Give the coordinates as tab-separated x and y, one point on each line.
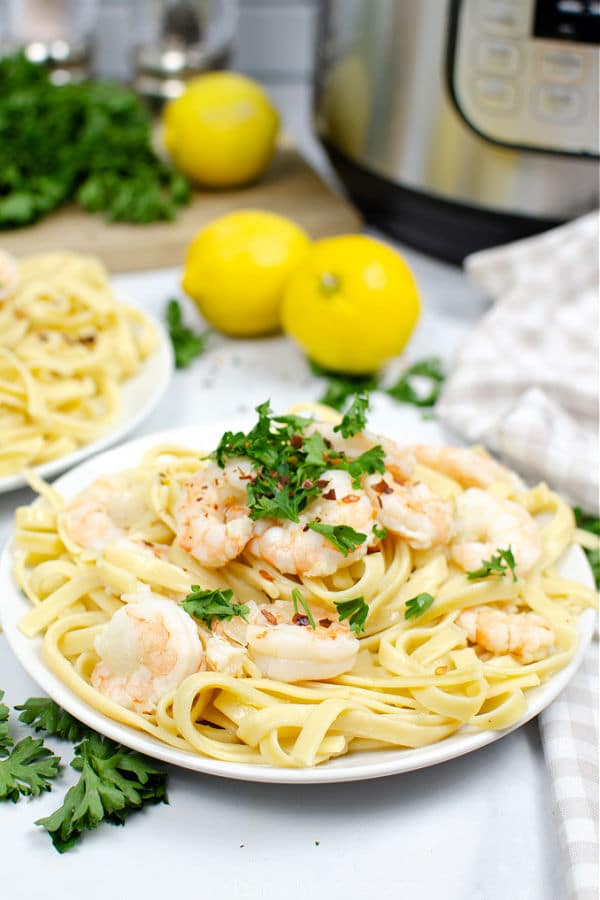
351	304
236	269
221	132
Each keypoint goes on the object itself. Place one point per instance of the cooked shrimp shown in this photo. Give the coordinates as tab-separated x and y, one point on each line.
410	510
484	524
213	520
9	275
293	548
399	460
105	510
469	468
283	644
526	635
146	650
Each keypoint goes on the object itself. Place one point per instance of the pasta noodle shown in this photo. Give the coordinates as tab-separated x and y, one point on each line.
66	345
415	680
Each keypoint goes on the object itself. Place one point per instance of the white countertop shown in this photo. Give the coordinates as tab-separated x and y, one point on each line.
477	828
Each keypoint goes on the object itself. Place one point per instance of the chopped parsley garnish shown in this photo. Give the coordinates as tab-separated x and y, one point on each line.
406	388
355	419
114	782
379	532
289	464
356	611
416	606
186	345
499	565
5	738
343	537
210	605
43	714
590	523
298	600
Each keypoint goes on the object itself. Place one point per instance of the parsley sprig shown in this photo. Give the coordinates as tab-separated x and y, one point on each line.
343	537
28	767
289	464
418	605
210	605
43	714
355	419
356	611
499	565
407	388
590	523
186	345
114	781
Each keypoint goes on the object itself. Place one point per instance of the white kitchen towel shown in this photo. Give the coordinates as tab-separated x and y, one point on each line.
525	383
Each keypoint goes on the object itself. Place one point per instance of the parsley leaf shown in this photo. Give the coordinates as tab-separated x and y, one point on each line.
498	565
356	611
210	605
343	537
405	391
590	523
380	533
114	782
340	387
27	770
43	714
367	463
297	598
5	738
416	606
355	419
186	345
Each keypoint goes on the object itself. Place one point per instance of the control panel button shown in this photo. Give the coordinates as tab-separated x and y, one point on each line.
562	66
557	104
494	95
497	57
502	18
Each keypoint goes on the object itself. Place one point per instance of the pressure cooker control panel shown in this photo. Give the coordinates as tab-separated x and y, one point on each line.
525	73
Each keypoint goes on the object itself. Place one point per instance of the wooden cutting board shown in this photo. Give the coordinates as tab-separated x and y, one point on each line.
289	187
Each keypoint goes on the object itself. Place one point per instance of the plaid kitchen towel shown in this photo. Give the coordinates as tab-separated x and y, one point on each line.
525	383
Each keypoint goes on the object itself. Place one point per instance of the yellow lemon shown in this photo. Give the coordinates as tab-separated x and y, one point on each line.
236	269
351	304
221	131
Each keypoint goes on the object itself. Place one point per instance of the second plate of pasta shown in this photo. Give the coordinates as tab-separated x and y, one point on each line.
403	669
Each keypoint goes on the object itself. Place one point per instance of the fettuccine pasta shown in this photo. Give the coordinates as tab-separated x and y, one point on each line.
66	346
413	679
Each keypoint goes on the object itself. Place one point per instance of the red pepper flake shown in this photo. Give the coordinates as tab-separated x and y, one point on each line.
350	498
373	550
325	623
330	495
322	483
296	441
266	575
268	616
382	487
305	528
285	479
307	484
87	340
300	619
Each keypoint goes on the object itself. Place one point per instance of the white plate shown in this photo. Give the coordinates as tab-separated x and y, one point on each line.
139	396
354	767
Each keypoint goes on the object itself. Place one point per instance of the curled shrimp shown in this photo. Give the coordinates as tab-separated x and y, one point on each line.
213	519
147	649
526	635
105	510
483	524
284	645
293	548
469	468
398	460
9	275
410	510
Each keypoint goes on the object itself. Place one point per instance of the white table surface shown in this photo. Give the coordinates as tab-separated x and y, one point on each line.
477	828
